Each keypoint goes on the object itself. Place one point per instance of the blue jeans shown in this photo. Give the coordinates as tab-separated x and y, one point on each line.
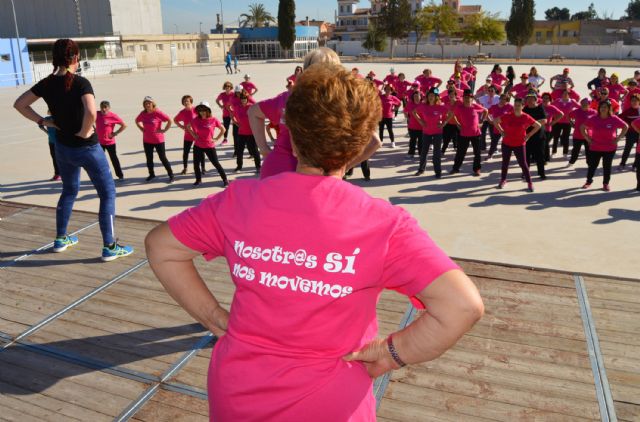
94	161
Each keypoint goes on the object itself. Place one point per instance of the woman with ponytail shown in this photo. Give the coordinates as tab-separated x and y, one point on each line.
72	103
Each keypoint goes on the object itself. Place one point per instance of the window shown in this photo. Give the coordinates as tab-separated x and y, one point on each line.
341	9
549	34
179	46
538	35
5	57
193	45
131	48
143	47
159	47
217	45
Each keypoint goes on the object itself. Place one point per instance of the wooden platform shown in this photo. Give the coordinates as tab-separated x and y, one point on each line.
95	341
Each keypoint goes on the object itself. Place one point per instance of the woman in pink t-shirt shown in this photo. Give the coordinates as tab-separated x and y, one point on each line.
202	128
296	74
503	107
222	100
577	117
432	116
106	121
555	116
562	129
182	120
300	341
516	128
468	116
150	121
603	141
249	86
389	102
413	125
450	131
240	118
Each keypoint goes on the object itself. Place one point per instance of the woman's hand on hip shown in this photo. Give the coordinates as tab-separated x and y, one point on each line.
375	356
220	319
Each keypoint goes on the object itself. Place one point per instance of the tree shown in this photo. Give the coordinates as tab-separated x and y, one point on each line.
441	19
482	28
519	27
376	39
557	14
286	24
587	15
421	25
394	20
257	17
633	10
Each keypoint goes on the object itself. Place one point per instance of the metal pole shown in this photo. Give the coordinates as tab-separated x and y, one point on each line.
15	22
224	46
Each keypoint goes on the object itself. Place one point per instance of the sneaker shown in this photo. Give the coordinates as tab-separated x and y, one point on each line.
55	177
476	172
367	179
393	144
438	175
225	142
419	172
150	177
62	243
621	167
606	188
237	169
453	171
196	183
115	252
569	164
530	187
502	184
586	186
184	171
225	183
171	179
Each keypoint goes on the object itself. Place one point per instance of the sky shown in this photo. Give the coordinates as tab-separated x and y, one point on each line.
187	14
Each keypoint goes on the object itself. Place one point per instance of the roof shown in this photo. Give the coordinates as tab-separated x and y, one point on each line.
470	9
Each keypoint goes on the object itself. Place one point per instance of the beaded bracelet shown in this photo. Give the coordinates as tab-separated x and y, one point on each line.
394	352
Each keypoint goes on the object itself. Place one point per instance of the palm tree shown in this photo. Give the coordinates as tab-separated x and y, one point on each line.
257	17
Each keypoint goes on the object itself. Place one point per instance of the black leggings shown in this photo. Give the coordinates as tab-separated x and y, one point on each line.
388	122
463	146
148	152
593	159
495	139
52	152
186	148
226	122
630	140
111	150
364	166
535	152
198	162
449	133
414	140
575	151
561	131
521	155
427	142
250	142
548	136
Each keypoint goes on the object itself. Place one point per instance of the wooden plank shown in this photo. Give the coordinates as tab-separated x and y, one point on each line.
27	402
401	410
516	274
627	411
7	210
168	406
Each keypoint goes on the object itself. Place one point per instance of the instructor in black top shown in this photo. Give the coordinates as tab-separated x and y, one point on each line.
535	144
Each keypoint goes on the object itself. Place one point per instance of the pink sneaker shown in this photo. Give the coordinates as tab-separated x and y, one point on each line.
224	142
56	177
502	184
606	188
530	187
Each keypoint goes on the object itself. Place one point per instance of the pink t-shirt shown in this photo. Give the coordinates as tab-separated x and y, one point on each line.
241	114
616	91
432	115
426	83
627	98
498	78
408	109
104	126
552	112
388	103
497	110
520	90
306	292
469	119
390	79
281	159
579	116
185	116
444	96
556	94
249	86
205	129
402	88
604	132
566	107
224	98
152	123
472	70
515	128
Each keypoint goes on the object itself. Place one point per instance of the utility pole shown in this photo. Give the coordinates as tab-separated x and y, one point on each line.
224	45
15	22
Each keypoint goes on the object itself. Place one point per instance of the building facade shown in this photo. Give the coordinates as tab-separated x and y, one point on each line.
325	29
15	68
556	32
607	32
80	18
262	43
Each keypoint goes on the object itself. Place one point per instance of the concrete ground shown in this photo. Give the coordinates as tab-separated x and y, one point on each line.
560	226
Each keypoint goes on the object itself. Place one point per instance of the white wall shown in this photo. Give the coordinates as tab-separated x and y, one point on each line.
96	67
574	51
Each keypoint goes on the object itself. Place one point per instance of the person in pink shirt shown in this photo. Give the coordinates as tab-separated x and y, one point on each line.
577	117
516	128
202	129
106	121
459	82
473	71
630	115
295	75
432	116
521	89
246	139
371	76
389	102
150	122
450	131
617	91
562	128
603	142
558	93
636	127
222	100
402	87
391	78
299	342
495	111
451	86
413	125
249	86
603	95
182	120
632	88
497	77
356	73
428	81
484	89
233	104
467	116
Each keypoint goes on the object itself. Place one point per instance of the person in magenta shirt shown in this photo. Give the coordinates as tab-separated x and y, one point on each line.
516	128
629	116
413	125
150	121
503	107
554	115
428	81
459	82
233	104
182	120
245	136
484	89
562	128
558	93
521	89
106	121
450	131
431	116
577	117
617	91
451	86
603	142
202	129
636	127
222	100
391	78
632	88
389	102
497	77
371	76
402	87
299	343
473	71
467	116
249	86
603	95
297	72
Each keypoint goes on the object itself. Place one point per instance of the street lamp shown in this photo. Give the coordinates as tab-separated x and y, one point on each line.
201	27
15	22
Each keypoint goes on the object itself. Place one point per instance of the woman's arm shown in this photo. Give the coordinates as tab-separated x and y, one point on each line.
373	145
536	127
23	105
557	118
89	118
166	126
623	132
180	125
585	135
453	306
121	129
172	263
256	121
220	134
417	117
191	131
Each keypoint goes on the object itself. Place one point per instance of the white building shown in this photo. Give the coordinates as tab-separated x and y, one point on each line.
352	22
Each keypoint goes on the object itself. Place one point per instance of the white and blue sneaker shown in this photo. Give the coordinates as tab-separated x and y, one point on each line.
115	252
62	243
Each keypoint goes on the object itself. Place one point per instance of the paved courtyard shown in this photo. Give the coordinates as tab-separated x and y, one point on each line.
560	226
